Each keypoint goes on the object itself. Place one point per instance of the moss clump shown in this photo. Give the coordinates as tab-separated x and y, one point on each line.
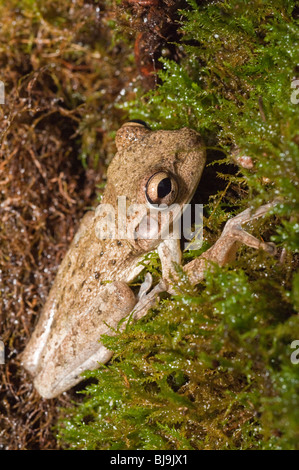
211	367
206	370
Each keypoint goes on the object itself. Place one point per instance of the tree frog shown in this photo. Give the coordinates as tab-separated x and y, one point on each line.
91	294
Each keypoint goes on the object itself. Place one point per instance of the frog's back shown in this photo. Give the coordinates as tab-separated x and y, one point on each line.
81	281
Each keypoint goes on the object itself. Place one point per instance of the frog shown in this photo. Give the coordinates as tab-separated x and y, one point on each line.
92	295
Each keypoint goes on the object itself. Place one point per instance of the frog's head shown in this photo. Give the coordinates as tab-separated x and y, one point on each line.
159	170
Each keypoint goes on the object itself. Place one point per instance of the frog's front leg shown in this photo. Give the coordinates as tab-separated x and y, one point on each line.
170	255
224	250
221	253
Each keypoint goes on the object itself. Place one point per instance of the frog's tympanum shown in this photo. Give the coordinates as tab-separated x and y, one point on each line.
90	295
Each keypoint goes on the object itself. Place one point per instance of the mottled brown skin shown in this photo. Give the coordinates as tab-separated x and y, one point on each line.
66	339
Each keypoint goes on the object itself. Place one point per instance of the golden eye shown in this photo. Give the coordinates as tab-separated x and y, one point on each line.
161	188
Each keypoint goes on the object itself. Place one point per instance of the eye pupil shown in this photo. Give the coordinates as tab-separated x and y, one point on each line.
161	188
164	188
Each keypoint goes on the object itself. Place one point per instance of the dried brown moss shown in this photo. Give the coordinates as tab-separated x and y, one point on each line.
154	26
63	73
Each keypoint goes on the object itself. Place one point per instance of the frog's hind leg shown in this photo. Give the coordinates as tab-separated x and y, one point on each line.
73	344
221	253
30	357
224	250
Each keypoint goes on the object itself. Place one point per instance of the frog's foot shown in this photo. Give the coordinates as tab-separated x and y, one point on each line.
224	250
147	300
145	286
233	229
169	253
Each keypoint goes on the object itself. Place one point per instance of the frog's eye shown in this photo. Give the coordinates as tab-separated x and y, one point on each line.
161	188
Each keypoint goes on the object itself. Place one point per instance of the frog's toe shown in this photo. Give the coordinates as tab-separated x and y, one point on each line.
145	286
269	247
235	231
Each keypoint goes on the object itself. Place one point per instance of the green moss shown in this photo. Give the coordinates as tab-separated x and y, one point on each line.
210	368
